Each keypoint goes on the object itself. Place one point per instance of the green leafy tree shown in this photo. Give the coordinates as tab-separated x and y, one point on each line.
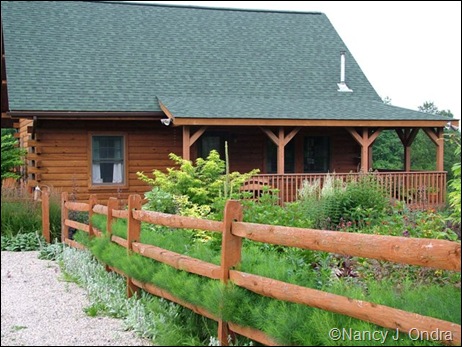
388	150
12	156
423	148
454	183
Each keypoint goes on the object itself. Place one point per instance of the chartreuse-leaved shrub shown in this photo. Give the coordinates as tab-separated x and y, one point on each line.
194	188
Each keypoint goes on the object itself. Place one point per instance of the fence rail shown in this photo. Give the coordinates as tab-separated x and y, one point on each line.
438	254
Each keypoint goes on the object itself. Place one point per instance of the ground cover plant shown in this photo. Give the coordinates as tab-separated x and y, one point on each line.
156	319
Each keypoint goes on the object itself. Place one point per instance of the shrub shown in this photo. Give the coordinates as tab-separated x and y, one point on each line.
267	211
160	200
455	185
194	188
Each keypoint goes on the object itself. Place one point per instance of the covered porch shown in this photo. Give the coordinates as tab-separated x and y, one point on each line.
288	156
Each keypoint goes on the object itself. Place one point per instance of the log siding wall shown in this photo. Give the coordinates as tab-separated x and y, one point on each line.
65	150
62	152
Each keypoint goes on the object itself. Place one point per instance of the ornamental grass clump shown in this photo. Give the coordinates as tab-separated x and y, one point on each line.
360	201
21	219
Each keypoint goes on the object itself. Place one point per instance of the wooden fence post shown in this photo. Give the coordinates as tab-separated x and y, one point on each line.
64	216
231	247
91	203
133	235
112	204
46	215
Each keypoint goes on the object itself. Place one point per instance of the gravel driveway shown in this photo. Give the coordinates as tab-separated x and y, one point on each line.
40	310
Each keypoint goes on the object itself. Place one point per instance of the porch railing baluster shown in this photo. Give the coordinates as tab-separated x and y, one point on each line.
412	187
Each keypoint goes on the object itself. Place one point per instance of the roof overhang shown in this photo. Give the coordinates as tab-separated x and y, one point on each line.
239	111
87	115
7	122
313	122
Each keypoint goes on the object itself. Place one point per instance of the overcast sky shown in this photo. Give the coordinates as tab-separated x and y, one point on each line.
409	51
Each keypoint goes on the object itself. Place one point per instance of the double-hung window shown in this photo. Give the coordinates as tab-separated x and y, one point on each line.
107	160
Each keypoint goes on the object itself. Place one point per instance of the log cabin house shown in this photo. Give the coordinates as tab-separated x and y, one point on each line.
101	90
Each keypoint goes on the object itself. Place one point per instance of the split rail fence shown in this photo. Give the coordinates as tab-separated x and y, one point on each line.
439	254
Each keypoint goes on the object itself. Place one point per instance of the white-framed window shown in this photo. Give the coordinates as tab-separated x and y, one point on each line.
107	159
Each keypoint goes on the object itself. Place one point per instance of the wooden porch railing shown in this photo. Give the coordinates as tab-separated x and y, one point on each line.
420	190
439	254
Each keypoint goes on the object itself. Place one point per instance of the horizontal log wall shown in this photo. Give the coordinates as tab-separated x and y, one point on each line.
438	254
63	162
59	155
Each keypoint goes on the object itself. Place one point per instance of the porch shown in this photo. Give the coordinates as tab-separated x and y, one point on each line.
418	189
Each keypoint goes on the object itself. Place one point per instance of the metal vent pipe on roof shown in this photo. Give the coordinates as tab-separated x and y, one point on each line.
342	67
342	87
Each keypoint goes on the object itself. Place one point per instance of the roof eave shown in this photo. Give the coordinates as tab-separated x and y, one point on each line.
314	122
86	115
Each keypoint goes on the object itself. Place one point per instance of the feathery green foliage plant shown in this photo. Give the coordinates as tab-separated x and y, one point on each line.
286	322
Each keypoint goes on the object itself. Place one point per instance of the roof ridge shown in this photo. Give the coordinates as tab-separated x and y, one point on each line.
137	3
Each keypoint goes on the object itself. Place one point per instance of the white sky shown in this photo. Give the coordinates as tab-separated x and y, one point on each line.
409	51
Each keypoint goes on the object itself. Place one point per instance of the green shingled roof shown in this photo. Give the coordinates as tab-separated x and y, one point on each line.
262	108
199	62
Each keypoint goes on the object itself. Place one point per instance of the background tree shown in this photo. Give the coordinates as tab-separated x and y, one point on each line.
12	155
423	148
388	150
455	184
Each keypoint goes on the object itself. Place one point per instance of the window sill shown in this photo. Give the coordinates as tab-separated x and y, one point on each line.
110	187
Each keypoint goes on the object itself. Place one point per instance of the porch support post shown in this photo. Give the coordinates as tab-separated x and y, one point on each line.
365	140
186	145
407	137
281	141
189	140
436	135
281	146
365	164
440	150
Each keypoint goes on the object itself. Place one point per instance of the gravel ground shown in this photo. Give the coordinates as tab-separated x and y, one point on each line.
40	310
